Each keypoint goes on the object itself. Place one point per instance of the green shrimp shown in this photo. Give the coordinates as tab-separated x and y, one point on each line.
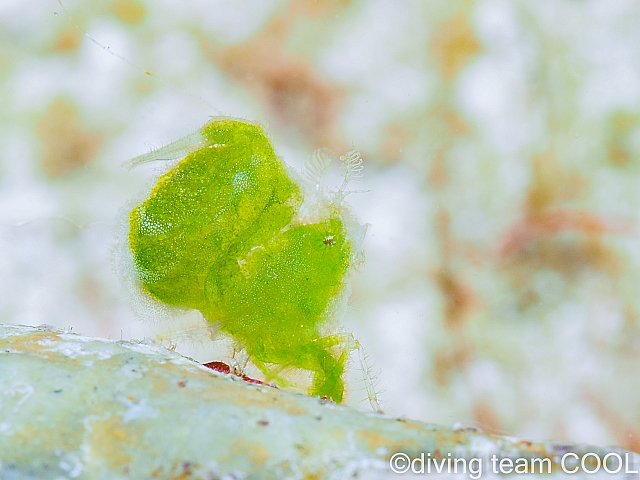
228	232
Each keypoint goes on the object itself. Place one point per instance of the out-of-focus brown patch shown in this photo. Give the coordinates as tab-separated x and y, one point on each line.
552	223
463	354
528	299
445	363
451	125
443	230
67	143
129	11
618	148
630	317
293	90
459	304
442	366
618	155
67	40
396	138
487	419
568	257
460	301
457	125
550	184
317	8
438	174
550	237
453	45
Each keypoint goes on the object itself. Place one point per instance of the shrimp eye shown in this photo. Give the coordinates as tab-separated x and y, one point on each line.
329	240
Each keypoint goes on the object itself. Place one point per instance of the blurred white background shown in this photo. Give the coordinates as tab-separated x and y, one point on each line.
502	149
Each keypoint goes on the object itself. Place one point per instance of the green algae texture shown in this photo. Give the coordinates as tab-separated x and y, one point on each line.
219	234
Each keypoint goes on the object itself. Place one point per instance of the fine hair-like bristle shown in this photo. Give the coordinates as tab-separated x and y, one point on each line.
352	163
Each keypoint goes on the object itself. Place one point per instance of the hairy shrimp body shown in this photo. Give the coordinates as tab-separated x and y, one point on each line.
221	233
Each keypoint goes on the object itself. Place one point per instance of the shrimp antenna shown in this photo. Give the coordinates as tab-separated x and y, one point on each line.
80	226
369	378
133	64
352	163
316	166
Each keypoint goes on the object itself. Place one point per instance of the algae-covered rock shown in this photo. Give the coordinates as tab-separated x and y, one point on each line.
78	407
